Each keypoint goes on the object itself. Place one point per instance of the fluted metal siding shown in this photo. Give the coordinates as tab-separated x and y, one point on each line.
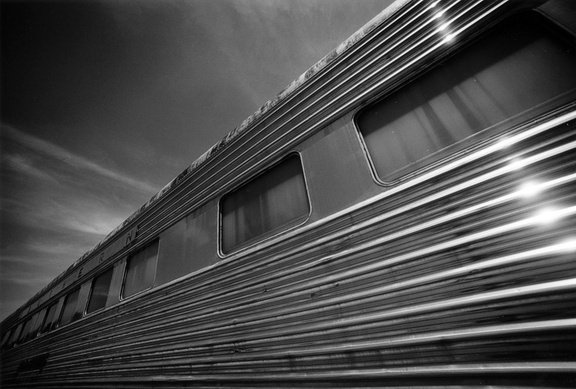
454	281
447	279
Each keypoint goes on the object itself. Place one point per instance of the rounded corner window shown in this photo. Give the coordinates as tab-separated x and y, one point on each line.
140	270
510	75
99	291
269	203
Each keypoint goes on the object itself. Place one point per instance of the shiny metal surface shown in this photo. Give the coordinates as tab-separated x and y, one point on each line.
461	276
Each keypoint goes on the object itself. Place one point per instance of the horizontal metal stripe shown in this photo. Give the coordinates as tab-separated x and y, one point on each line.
451	370
518	368
215	323
399	341
417	339
265	335
167	361
497	262
148	321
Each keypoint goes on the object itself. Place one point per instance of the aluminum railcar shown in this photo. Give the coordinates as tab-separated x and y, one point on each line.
403	214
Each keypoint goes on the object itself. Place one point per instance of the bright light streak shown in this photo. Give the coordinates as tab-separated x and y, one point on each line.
504	143
438	14
529	189
449	38
434	4
569	245
548	215
517	164
443	26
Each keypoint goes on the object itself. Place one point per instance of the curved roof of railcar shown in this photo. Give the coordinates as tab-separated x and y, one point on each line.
291	90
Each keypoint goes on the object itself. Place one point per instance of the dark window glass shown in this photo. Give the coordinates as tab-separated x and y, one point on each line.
6	338
16	333
25	330
100	290
141	270
266	204
34	330
70	312
520	67
30	328
49	318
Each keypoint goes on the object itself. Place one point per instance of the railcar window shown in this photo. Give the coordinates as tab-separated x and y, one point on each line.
49	318
5	339
100	290
25	329
515	71
141	270
270	202
35	328
15	334
69	312
28	331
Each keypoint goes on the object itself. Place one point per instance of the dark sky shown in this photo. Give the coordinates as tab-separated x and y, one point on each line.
104	102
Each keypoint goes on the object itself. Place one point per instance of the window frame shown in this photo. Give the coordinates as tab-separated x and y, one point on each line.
92	284
52	324
126	268
268	237
6	339
502	128
59	323
27	326
16	333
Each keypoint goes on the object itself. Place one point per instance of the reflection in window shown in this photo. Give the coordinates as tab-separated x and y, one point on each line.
30	328
25	330
269	202
69	312
16	334
100	289
516	68
141	270
49	319
5	338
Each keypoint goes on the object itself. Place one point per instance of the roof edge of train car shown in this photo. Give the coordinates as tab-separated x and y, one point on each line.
250	122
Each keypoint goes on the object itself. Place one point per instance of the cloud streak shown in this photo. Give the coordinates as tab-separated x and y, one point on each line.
55	206
51	150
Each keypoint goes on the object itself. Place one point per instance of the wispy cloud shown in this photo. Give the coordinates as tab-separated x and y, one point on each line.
49	149
25	166
55	206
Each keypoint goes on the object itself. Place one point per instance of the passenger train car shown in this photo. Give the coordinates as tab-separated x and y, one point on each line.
402	215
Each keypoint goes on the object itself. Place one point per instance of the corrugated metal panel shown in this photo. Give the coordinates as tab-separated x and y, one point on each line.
451	279
453	282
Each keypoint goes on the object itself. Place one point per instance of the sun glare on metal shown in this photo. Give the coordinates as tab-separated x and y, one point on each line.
504	143
449	38
548	215
517	164
438	14
569	245
529	189
443	26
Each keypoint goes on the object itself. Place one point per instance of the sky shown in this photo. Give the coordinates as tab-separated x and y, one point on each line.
104	102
